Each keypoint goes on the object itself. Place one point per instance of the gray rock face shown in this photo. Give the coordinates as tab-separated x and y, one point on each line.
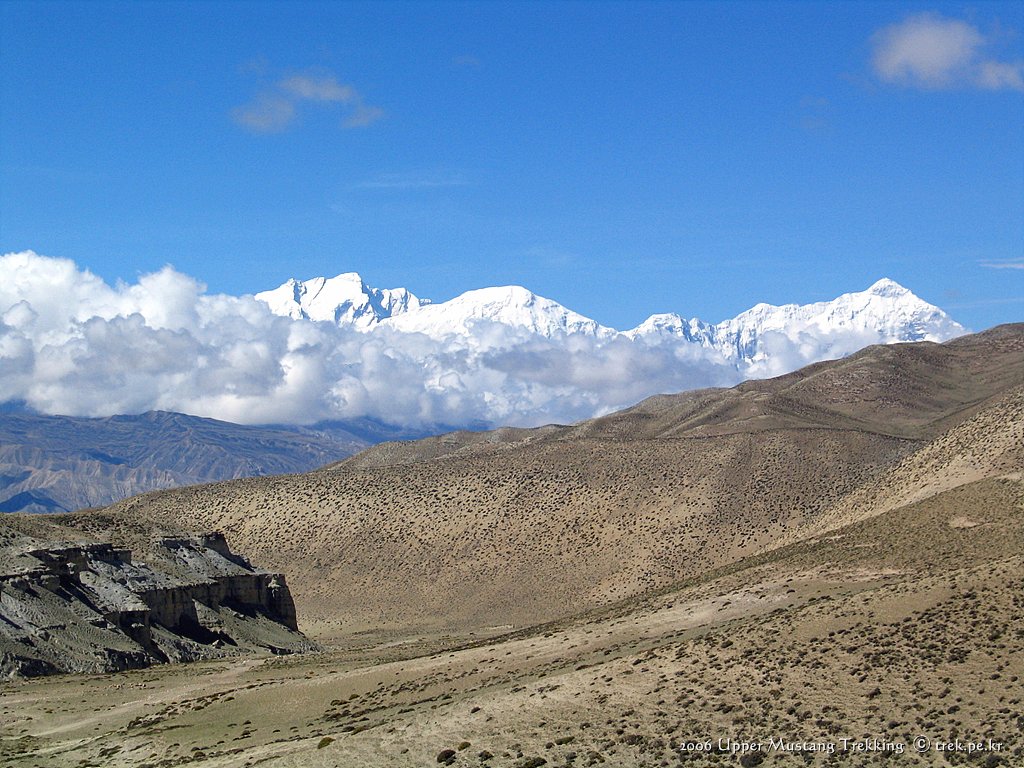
89	607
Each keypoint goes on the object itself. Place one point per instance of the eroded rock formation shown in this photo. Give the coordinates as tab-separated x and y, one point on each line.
91	607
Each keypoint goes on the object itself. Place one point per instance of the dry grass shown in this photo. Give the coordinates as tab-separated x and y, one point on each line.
841	637
834	554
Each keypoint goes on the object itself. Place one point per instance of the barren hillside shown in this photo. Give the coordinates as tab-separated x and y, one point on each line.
520	526
774	565
843	650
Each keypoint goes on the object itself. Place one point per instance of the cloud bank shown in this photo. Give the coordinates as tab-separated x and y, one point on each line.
933	52
72	344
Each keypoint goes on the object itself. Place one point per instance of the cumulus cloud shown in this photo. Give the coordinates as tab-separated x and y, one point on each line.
72	344
273	109
930	51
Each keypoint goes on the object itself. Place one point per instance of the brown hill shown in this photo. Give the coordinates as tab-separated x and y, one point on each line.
520	526
989	444
883	604
844	650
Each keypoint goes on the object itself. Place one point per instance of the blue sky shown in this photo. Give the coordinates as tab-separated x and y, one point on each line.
623	159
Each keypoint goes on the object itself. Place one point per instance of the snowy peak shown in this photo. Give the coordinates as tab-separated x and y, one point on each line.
886	308
754	340
510	305
883	314
670	324
887	287
345	300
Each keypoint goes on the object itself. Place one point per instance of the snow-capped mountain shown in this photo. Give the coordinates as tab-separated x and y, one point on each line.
886	310
338	349
510	305
345	300
884	313
348	301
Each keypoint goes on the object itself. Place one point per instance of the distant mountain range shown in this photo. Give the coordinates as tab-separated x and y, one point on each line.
340	349
363	357
60	463
885	313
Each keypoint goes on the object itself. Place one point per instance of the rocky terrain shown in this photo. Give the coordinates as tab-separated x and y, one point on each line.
86	606
523	526
820	569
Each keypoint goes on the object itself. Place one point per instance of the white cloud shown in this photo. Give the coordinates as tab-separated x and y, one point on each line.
996	75
933	52
72	344
267	113
273	109
318	89
1003	264
362	116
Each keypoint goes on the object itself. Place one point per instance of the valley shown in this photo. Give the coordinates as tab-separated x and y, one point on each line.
819	569
827	640
531	384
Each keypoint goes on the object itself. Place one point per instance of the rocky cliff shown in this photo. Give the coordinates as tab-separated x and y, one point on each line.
91	607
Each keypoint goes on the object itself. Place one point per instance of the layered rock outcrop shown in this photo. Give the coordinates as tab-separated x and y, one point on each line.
91	607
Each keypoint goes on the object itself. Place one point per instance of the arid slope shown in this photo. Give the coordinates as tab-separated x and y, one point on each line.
904	626
770	564
520	526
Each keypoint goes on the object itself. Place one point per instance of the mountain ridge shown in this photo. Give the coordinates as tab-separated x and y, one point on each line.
885	312
310	299
63	463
